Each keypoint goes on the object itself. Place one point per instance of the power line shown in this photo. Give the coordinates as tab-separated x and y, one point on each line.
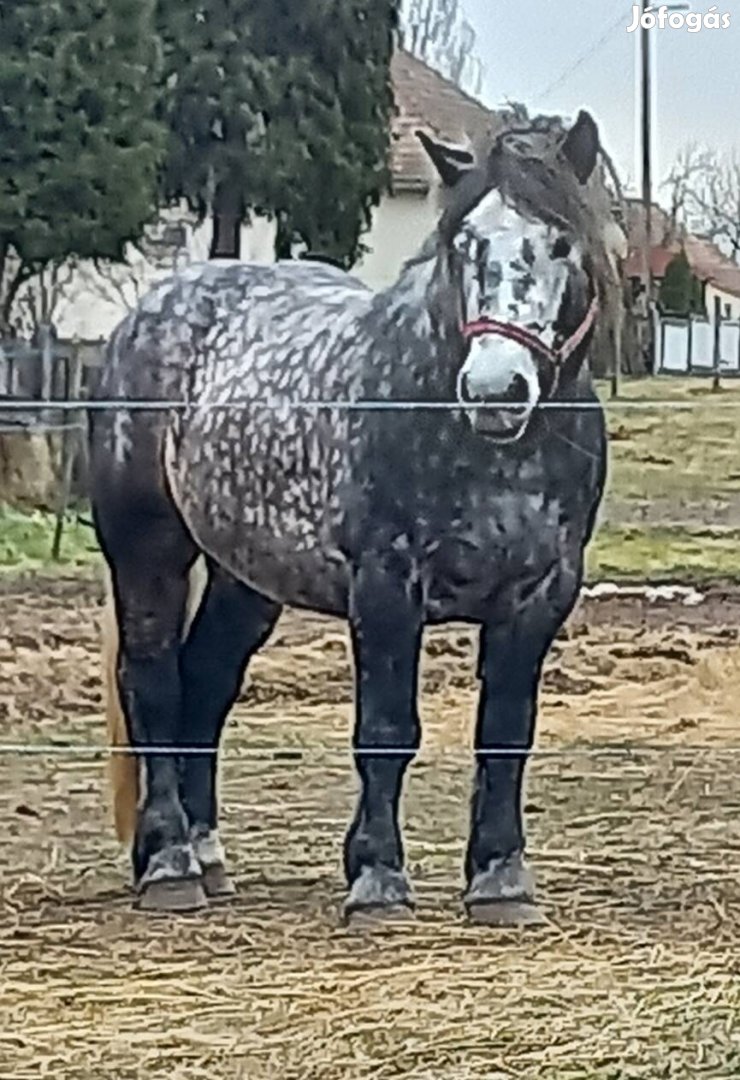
620	21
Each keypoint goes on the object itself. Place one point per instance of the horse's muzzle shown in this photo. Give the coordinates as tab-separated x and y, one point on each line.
501	380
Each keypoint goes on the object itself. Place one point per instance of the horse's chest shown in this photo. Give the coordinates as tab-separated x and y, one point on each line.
494	546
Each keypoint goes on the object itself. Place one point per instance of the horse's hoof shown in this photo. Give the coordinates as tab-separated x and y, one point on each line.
376	918
217	883
503	894
505	913
172	896
378	886
379	895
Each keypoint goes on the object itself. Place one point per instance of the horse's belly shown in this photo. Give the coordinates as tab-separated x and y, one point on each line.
269	522
308	578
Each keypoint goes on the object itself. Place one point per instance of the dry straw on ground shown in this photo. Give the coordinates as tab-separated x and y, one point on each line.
638	862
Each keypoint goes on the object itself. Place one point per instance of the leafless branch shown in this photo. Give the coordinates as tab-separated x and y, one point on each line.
436	32
705	195
690	164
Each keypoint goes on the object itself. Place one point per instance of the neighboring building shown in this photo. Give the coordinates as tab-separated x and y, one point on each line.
687	345
718	275
91	304
405	217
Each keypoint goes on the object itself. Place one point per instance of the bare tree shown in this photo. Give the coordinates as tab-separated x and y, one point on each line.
705	196
439	34
686	171
163	249
38	300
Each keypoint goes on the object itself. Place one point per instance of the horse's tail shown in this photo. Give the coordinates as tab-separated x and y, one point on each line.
123	768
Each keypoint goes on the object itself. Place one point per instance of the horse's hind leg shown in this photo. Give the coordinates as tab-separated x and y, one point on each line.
149	554
232	622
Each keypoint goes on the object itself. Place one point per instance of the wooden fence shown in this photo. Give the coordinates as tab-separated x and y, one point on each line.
47	371
697	345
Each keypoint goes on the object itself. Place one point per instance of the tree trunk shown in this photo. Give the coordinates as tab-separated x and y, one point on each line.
227	224
283	238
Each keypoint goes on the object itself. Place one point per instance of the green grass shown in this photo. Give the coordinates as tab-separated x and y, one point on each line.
26	541
651	553
681	464
671	511
658	554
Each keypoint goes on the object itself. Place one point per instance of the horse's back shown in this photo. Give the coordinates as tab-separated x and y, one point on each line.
251	466
222	315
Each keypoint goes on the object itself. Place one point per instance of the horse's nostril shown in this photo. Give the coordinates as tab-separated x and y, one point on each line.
516	393
518	390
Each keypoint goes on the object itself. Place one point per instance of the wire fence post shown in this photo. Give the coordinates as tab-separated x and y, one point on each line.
617	360
717	344
72	434
46	346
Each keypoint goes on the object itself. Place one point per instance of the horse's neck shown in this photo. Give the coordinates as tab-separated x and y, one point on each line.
414	314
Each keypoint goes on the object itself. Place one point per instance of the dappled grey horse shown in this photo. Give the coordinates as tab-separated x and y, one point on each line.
475	505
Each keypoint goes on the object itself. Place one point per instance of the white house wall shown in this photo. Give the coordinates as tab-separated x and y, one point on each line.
400	226
726	300
91	304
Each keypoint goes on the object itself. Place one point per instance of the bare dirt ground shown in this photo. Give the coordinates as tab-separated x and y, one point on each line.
637	856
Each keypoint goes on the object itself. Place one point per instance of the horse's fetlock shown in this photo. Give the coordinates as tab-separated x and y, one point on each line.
207	845
173	863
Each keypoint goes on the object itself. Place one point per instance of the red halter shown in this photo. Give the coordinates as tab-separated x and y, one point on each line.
484	325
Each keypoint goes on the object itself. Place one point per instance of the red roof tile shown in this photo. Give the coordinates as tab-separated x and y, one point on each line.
705	259
424	99
659	259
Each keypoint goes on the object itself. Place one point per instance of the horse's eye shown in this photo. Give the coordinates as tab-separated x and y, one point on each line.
561	248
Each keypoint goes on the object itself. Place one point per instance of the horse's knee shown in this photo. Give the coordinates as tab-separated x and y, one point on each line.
146	638
151	611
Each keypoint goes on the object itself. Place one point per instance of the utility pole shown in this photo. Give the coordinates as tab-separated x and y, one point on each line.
647	185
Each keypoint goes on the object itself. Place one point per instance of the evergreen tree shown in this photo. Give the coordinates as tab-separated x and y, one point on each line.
698	303
680	292
282	108
79	152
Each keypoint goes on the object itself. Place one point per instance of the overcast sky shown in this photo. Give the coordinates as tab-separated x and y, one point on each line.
528	47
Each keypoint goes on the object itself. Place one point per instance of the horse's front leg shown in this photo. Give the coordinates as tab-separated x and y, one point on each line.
500	886
386	624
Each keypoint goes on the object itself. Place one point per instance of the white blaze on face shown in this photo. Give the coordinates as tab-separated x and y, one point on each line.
512	272
523	284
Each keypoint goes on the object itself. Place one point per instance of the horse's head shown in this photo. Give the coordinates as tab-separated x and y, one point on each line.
520	246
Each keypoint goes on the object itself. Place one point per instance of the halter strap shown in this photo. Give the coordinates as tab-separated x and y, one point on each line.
484	325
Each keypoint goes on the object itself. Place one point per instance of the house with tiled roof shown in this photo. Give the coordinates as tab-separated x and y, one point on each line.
687	344
94	302
718	275
426	100
407	215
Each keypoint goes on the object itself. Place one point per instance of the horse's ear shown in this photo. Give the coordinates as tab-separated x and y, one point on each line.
451	162
581	146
